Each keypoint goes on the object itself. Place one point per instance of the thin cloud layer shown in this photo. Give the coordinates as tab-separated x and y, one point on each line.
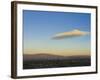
74	33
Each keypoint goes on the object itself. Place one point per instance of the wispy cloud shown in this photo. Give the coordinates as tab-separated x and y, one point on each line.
73	33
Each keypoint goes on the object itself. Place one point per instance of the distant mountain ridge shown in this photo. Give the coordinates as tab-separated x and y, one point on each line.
44	56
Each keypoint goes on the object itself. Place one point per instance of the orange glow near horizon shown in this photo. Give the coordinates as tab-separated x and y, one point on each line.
58	52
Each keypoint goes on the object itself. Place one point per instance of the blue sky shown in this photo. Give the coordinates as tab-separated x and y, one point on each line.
40	26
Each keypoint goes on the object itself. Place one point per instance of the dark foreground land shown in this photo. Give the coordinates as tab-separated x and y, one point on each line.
53	61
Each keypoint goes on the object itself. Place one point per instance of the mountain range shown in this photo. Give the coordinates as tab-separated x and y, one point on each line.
43	56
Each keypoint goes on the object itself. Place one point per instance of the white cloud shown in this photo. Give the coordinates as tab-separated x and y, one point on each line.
73	33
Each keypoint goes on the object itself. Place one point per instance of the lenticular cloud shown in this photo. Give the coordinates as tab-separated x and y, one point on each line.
73	33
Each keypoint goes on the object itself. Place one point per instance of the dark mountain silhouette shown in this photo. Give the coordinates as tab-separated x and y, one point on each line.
33	61
43	56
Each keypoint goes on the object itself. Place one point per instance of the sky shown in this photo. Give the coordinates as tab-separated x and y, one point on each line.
39	28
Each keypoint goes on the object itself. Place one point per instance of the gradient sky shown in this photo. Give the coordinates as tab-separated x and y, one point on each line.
40	26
